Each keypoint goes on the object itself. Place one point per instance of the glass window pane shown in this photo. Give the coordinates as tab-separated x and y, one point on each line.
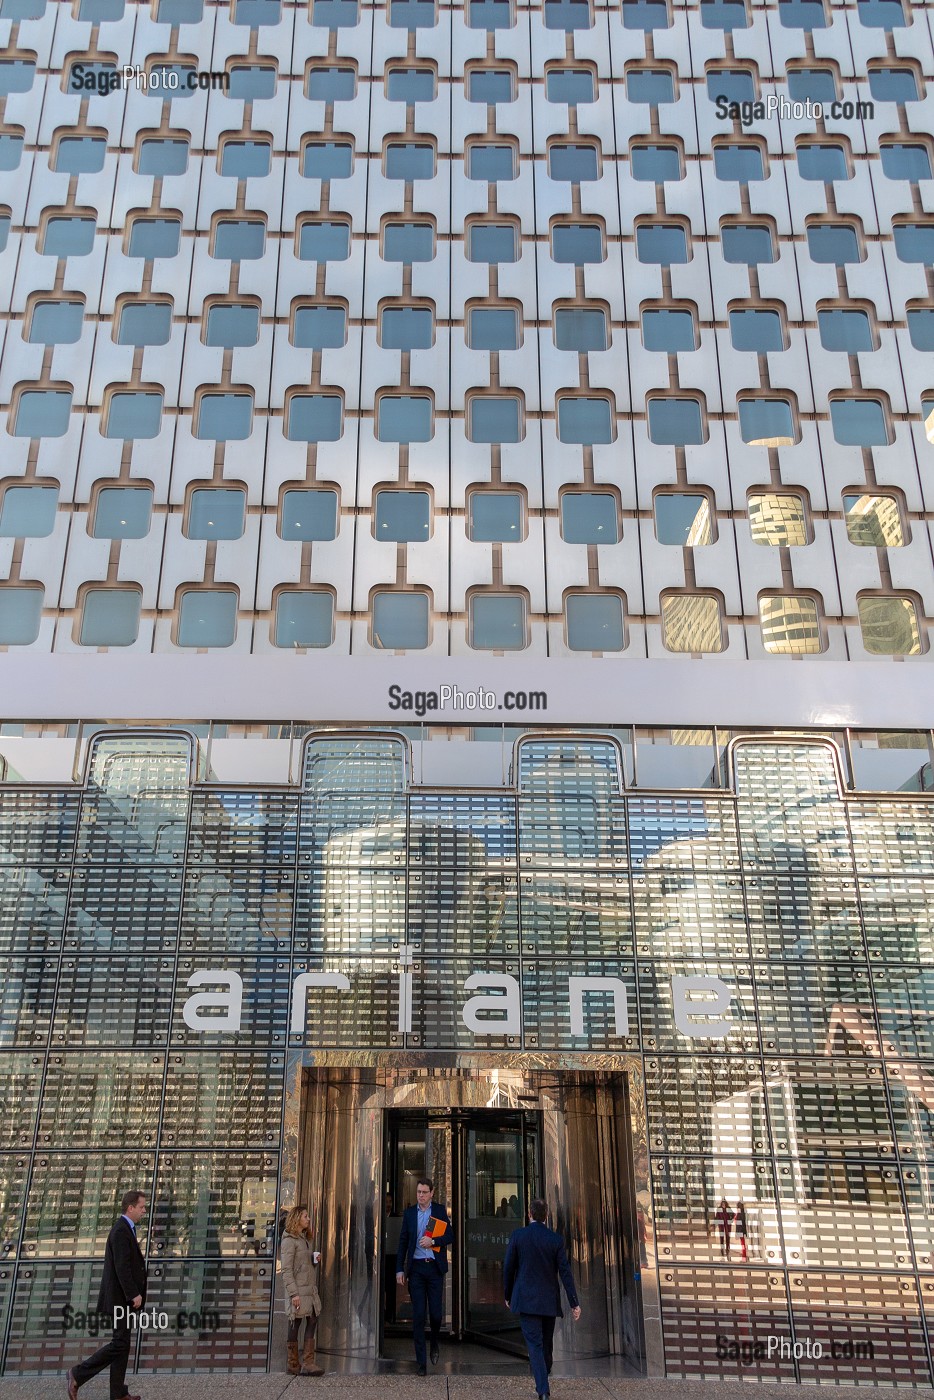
905	161
69	237
495	517
859	422
330	84
656	163
56	322
77	155
914	243
492	162
28	511
411	85
645	14
22	9
731	85
16	75
327	160
493	328
319	327
232	325
670	331
497	621
406	328
154	238
823	162
589	517
494	418
594	622
239	239
133	415
41	413
177	12
144	323
100	11
402	516
849	331
677	422
650	85
335	14
243	159
224	417
893	85
587	421
790	625
408	243
315	417
567	14
777	518
833	243
571	85
400	621
738	160
215	513
304	618
256	12
921	328
122	513
661	243
573	162
492	243
747	243
489	14
767	422
802	14
162	157
889	626
812	85
252	82
683	519
110	617
322	241
412	14
308	514
691	622
724	14
207	618
20	615
409	160
873	521
580	329
404	418
577	243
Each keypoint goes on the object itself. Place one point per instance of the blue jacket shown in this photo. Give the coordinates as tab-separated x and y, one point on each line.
409	1237
535	1259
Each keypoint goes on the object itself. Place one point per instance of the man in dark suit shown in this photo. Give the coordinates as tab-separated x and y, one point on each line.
122	1286
535	1260
422	1258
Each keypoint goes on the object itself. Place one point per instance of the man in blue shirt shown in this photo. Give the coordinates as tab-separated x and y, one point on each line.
422	1258
535	1260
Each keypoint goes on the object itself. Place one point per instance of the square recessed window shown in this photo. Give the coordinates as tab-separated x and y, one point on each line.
224	417
327	160
207	617
304	618
67	237
577	243
28	511
492	243
589	517
847	331
161	157
308	513
494	517
874	521
676	421
587	421
408	243
252	82
573	162
833	243
914	243
243	160
493	328
314	417
144	323
401	621
154	238
56	322
881	14
110	617
580	329
894	85
662	243
802	14
230	325
215	513
409	160
760	331
656	163
748	244
570	85
777	519
739	160
646	14
490	14
411	85
402	516
22	9
16	75
11	150
731	85
653	86
335	14
491	85
905	160
669	331
889	626
790	624
724	14
134	414
767	422
812	85
492	161
330	83
567	15
594	622
494	418
322	240
691	622
240	240
256	12
684	519
122	513
921	328
177	12
100	11
77	155
319	327
823	161
404	418
20	615
412	14
497	621
40	413
859	422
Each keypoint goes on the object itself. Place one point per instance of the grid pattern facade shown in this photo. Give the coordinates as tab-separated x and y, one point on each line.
492	327
813	905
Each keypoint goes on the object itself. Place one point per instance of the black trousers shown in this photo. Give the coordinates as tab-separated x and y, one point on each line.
539	1334
115	1354
426	1289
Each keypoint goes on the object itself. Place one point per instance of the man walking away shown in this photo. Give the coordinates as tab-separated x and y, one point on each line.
123	1286
422	1258
535	1260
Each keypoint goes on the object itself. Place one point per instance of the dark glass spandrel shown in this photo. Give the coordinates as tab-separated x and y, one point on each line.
353	911
20	1082
124	908
465	910
241	1189
74	1201
102	1101
93	1007
32	907
580	912
238	910
222	1099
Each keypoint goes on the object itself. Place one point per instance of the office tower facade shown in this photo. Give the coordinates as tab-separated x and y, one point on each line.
465	591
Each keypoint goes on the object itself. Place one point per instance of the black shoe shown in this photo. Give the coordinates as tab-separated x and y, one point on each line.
434	1353
423	1370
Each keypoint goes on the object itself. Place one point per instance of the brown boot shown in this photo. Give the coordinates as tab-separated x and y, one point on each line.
292	1364
308	1356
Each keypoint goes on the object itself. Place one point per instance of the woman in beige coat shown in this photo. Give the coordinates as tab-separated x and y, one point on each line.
299	1262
